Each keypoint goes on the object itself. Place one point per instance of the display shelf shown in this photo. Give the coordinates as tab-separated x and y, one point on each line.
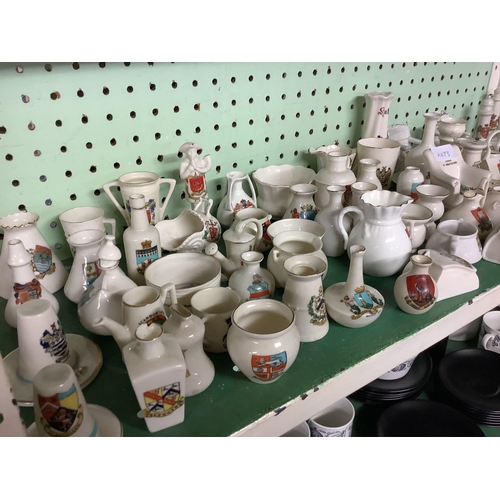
324	371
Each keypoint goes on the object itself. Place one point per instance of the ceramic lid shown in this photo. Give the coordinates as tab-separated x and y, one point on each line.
109	254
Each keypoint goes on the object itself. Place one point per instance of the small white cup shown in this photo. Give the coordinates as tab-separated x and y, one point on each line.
81	218
215	307
334	421
41	338
489	335
59	404
301	430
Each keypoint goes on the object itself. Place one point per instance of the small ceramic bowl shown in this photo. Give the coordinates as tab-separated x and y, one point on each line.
451	128
273	186
309	226
189	272
398	371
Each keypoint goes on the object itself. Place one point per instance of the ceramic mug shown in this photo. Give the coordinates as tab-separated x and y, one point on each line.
59	404
81	218
41	338
415	218
301	430
145	183
458	238
215	307
334	421
489	334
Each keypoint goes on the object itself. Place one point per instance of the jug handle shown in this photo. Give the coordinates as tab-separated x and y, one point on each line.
243	223
488	144
253	197
107	189
203	205
171	183
340	221
112	223
168	289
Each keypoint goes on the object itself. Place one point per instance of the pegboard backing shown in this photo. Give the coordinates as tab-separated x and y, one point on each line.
68	128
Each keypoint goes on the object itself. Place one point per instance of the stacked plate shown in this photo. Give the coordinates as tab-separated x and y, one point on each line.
422	418
408	387
469	380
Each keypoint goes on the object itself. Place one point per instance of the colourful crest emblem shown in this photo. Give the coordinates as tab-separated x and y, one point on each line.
421	291
163	401
259	289
269	367
41	261
23	292
54	342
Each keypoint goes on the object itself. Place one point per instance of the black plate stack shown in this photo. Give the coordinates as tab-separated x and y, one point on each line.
421	418
408	387
469	380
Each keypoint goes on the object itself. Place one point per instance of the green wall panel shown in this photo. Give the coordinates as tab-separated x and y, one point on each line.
85	124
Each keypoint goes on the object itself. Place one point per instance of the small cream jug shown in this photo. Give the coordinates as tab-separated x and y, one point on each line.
145	183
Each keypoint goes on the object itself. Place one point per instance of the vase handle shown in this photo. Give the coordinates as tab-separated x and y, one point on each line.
340	221
171	183
107	189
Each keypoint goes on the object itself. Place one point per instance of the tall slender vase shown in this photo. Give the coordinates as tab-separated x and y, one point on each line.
415	158
376	114
352	303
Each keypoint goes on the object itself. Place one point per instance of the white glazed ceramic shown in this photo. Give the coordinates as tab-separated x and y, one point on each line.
458	238
415	218
104	296
236	198
334	421
489	334
141	240
265	220
215	306
358	189
84	269
351	303
450	128
367	171
408	181
309	226
321	154
304	294
492	206
251	281
337	171
288	244
140	305
491	247
263	341
432	197
415	291
273	186
472	150
376	115
385	150
381	231
302	205
146	183
25	287
471	210
46	265
301	430
80	218
398	371
189	272
189	331
467	332
491	156
157	371
453	275
333	242
60	406
192	170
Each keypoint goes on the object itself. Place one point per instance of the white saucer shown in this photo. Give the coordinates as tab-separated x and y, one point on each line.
88	364
107	422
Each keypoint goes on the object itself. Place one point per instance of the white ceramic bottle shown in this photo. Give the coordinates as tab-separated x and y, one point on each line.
25	286
157	371
189	331
251	281
367	171
141	240
415	291
104	296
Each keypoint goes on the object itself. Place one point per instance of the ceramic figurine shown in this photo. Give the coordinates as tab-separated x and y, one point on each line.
84	269
157	371
263	340
192	171
251	281
376	114
304	294
104	296
146	183
236	198
141	241
46	265
415	291
189	330
485	116
26	287
352	303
